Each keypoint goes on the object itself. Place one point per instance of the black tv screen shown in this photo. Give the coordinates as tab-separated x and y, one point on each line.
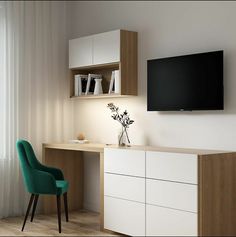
189	82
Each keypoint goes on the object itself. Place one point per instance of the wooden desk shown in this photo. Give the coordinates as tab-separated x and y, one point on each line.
215	175
69	158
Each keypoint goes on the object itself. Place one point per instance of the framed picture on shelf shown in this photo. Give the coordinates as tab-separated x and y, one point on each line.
83	84
80	84
112	84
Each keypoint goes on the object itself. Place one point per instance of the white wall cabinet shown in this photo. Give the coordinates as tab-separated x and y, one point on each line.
106	47
81	52
96	49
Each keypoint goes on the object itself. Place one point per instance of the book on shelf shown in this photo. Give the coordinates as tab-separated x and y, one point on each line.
84	81
114	86
117	81
76	85
80	84
91	83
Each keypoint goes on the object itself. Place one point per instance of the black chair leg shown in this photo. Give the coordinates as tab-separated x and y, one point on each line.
66	206
34	206
59	212
28	210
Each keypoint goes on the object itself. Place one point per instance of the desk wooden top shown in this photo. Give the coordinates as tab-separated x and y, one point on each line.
99	147
90	147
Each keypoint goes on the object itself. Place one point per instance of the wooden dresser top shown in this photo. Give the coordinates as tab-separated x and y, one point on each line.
99	147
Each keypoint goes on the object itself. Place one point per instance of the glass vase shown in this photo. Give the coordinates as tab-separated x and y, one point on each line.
123	138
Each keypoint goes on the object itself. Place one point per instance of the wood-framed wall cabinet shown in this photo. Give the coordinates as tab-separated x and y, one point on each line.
101	54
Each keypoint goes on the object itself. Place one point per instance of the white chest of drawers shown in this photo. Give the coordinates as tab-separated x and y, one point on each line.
163	193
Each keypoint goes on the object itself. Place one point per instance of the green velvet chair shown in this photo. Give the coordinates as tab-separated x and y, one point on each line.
40	179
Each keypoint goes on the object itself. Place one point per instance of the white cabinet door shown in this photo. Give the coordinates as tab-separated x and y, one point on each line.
106	47
171	194
168	222
81	52
126	187
172	166
126	217
124	161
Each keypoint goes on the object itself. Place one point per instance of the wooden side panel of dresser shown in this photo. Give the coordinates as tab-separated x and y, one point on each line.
217	194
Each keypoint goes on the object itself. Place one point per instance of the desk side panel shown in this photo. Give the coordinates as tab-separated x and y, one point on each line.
71	164
101	191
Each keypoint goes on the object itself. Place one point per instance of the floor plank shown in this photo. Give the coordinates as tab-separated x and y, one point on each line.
81	223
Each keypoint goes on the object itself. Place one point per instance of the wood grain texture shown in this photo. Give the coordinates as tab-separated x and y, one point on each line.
100	96
183	150
90	147
81	223
99	147
69	158
72	74
71	164
101	191
98	66
129	62
217	195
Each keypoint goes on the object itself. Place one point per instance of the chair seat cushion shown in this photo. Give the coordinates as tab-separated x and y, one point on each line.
62	186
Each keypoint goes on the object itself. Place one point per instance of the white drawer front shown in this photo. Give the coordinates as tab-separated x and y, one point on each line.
171	194
168	222
124	161
126	187
172	166
123	216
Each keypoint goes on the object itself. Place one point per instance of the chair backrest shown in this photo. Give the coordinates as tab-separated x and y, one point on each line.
28	162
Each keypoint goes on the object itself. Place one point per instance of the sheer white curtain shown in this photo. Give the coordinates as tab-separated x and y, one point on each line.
34	102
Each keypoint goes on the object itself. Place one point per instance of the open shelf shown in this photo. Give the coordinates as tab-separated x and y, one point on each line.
104	70
101	96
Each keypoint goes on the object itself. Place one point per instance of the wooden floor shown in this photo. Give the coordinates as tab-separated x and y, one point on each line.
81	223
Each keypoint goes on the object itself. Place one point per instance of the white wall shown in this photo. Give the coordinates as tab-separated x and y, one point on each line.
164	29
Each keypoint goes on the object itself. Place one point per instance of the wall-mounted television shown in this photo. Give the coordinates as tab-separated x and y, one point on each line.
186	83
